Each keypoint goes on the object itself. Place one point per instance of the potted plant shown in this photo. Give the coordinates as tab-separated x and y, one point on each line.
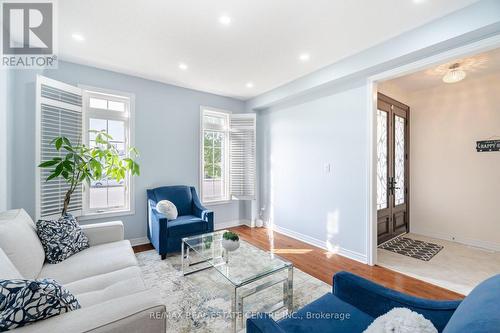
79	163
230	241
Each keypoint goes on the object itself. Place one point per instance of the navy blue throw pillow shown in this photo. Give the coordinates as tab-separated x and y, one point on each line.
61	238
27	301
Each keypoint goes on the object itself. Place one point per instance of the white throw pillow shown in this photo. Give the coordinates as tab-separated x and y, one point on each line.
401	320
167	208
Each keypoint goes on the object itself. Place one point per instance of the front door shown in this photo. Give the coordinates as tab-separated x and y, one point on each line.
392	168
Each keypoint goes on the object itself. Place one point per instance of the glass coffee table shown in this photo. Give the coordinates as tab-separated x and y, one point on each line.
249	272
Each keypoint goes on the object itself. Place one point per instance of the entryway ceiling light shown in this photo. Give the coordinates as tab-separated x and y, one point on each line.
455	74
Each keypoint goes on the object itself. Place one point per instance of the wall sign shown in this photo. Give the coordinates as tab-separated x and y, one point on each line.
488	145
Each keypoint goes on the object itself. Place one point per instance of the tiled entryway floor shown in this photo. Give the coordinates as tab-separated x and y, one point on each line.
457	267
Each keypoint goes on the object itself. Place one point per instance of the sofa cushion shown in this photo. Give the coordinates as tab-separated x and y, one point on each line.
32	300
61	238
119	288
95	260
479	312
19	241
327	314
180	196
102	281
186	225
7	268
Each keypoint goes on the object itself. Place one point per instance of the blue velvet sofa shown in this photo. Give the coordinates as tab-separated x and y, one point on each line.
364	301
193	218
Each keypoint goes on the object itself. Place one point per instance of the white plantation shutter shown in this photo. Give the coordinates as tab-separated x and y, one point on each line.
242	156
59	113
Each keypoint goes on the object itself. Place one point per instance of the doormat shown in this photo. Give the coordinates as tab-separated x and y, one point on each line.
412	248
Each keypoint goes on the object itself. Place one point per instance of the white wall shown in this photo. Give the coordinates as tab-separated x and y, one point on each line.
295	143
455	191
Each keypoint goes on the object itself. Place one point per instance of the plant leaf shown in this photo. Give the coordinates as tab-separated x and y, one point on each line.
58	143
49	163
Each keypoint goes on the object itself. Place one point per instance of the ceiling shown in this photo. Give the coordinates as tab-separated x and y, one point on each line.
262	44
475	66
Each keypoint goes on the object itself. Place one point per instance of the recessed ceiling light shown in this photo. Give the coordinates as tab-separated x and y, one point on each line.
78	37
225	20
419	1
304	57
249	85
183	66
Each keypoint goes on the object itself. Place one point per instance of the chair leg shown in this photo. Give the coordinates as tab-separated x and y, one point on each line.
163	256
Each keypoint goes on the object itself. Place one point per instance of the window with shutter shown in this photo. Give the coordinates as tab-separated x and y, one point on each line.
228	149
59	113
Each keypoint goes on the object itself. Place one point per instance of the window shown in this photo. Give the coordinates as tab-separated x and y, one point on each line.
227	155
215	185
110	112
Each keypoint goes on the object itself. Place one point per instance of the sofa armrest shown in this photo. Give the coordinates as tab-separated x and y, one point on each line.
263	323
106	232
138	312
377	300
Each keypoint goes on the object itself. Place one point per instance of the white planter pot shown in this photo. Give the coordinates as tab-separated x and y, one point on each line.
230	245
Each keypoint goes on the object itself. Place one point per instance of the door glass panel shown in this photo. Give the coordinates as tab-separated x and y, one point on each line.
399	160
382	159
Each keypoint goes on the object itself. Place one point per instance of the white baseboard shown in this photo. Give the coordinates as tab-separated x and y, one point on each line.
217	226
492	246
139	241
321	244
230	224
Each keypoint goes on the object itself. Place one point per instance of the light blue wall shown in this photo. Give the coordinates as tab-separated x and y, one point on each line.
296	142
166	134
5	105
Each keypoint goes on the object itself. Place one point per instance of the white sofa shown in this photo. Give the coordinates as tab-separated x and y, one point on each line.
105	278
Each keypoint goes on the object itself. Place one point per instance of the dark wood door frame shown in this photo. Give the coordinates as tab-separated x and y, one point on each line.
394	220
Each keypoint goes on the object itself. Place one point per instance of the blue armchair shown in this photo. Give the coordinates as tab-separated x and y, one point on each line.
193	218
364	301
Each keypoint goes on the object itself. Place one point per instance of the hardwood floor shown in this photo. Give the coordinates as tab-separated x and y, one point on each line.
323	265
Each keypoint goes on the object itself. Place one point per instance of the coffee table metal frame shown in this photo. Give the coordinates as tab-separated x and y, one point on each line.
240	291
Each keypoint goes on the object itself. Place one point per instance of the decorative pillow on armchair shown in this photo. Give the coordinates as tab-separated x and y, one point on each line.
167	208
27	301
401	320
61	238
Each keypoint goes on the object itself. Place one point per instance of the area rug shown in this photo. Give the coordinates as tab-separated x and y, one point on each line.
412	248
201	301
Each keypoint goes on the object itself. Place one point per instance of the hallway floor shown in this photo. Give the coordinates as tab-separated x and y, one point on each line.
456	267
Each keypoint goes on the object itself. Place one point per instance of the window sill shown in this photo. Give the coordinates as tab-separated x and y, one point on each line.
94	216
217	203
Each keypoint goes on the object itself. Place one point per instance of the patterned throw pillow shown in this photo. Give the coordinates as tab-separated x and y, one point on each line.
28	301
61	238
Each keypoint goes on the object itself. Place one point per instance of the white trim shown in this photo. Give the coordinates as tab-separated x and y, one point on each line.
217	203
487	245
321	244
107	214
139	241
230	224
459	52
